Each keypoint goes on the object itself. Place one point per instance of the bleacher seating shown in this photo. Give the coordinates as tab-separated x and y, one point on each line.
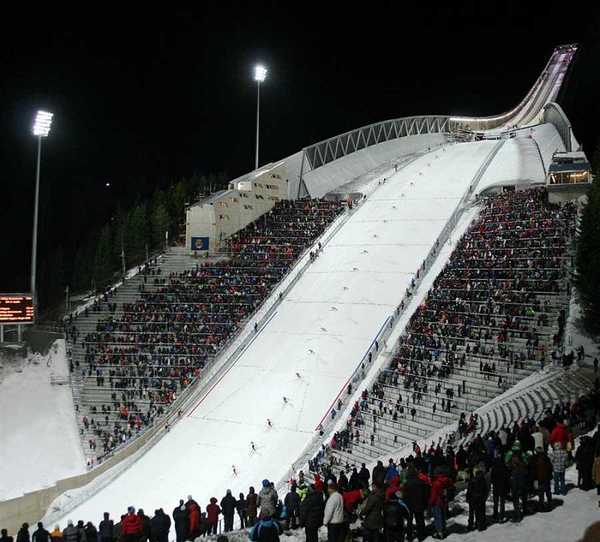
141	345
494	315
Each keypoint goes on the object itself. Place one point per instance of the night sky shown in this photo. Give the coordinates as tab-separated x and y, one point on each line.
143	98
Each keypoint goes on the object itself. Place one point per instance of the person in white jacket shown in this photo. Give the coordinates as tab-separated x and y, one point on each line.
333	517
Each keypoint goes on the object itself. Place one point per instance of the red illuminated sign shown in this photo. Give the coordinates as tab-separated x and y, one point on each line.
16	309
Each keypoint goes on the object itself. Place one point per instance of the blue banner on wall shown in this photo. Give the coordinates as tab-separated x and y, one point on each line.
199	243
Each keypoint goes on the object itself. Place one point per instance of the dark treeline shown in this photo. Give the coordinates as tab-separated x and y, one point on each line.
588	253
133	230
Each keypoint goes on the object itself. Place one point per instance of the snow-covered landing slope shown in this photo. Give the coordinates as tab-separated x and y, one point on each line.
40	443
320	331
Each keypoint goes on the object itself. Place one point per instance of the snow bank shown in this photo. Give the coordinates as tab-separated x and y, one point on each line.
40	441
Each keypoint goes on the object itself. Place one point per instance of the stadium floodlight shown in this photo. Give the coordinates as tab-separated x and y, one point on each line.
260	74
42	124
41	129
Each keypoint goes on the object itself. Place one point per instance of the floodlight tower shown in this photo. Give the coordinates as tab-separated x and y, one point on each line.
41	129
260	74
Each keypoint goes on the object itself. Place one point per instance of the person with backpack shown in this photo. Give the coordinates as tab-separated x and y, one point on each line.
312	509
266	530
372	515
416	495
396	519
292	503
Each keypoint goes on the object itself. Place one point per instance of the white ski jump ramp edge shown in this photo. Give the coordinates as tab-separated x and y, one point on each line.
320	331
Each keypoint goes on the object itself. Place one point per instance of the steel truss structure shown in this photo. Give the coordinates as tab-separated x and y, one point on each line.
331	149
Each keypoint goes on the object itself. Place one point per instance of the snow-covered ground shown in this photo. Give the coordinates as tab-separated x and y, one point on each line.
40	442
320	331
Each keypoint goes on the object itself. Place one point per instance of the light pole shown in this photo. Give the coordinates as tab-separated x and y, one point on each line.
41	128
260	74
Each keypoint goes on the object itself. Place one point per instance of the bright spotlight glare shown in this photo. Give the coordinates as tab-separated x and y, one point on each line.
260	73
43	122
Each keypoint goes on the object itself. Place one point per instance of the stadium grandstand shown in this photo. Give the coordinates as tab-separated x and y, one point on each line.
383	314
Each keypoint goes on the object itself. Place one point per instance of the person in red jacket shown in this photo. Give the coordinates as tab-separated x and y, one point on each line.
212	516
438	501
131	526
392	488
318	483
560	434
193	510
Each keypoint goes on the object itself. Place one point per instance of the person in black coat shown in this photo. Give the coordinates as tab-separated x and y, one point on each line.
364	476
416	496
292	503
106	529
355	482
180	518
23	534
228	509
145	526
311	513
160	525
500	479
91	533
396	519
41	534
343	482
4	536
379	474
477	492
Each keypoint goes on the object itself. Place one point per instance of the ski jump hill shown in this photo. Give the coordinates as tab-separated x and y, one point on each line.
331	322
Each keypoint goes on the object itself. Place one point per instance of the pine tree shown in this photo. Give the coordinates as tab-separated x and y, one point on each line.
588	253
160	220
103	268
137	235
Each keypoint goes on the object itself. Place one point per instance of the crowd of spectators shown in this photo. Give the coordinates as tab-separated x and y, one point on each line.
524	465
491	317
147	351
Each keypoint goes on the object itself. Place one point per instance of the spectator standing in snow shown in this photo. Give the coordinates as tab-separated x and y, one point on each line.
292	503
160	526
212	516
241	510
228	504
312	509
267	499
23	534
181	520
333	516
251	506
40	534
106	529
